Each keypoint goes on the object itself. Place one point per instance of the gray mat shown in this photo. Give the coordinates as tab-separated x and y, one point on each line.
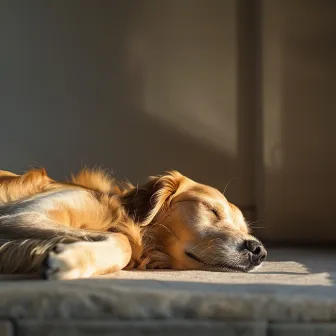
293	293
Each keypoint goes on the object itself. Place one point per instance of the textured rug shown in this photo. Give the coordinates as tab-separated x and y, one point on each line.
294	293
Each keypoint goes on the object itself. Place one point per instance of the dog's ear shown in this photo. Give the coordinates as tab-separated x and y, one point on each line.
144	203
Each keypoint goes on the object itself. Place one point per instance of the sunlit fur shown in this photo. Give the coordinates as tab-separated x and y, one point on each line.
95	224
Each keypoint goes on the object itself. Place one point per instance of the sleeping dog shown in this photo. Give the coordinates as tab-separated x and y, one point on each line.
94	225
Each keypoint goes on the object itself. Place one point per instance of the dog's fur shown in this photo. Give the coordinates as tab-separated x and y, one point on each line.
95	224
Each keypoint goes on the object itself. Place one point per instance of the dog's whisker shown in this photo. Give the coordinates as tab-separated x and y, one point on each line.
227	184
203	243
253	222
159	224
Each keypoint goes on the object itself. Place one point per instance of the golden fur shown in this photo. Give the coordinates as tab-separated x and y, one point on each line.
95	224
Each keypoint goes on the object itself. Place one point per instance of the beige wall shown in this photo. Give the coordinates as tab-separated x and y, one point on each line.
144	86
298	186
137	86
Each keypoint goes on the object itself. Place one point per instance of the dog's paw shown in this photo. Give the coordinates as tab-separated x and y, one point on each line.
66	262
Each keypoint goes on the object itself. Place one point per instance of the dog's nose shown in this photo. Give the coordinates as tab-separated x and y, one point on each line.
257	250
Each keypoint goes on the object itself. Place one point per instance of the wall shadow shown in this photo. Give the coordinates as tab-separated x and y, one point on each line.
299	99
72	96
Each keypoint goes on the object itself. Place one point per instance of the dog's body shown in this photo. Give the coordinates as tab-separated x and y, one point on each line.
96	225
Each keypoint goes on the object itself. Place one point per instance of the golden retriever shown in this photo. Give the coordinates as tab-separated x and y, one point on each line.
94	225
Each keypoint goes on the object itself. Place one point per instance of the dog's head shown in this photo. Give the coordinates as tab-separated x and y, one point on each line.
193	225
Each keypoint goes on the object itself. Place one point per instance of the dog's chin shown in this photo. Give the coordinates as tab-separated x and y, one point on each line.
231	269
243	266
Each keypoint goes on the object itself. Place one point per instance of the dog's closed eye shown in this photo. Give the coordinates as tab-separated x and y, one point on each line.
212	209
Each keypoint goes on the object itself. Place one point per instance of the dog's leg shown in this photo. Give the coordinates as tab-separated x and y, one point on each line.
28	239
84	259
27	255
66	257
28	235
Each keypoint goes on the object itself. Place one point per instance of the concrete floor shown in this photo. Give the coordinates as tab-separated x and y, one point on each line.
286	266
294	293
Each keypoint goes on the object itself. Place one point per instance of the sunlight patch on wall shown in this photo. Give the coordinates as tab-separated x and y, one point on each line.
188	70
